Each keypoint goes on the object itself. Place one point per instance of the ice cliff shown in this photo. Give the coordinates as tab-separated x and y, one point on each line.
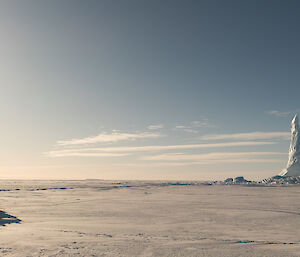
293	165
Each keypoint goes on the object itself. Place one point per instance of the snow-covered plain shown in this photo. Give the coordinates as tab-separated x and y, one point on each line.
105	218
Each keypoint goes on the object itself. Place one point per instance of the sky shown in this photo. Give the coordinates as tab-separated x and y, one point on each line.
136	89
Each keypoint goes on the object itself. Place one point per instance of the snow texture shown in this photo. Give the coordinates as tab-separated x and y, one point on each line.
95	218
293	165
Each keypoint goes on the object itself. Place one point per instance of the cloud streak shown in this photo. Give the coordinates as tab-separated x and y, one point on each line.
209	156
155	127
130	149
204	123
194	125
248	136
210	162
108	138
277	113
191	131
82	154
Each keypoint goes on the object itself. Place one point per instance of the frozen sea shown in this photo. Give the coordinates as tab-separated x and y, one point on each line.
140	218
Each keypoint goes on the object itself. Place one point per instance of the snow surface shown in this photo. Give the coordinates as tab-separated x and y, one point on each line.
293	165
106	218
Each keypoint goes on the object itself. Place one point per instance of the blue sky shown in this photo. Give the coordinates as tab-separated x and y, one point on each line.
147	89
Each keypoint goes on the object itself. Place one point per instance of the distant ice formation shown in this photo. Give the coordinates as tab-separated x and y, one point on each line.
293	165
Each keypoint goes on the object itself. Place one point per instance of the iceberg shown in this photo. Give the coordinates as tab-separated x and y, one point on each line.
293	165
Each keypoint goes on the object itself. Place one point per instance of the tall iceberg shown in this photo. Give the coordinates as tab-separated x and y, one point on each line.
293	165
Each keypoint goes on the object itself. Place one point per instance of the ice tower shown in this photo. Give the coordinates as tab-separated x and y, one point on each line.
293	165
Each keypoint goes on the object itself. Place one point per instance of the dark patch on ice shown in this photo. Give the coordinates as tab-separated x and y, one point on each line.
105	235
180	184
244	241
280	243
261	242
113	187
51	188
5	218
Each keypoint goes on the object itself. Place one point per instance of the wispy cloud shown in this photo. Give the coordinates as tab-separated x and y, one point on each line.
155	127
210	162
194	126
66	153
248	136
108	138
181	127
191	131
187	129
277	113
151	148
209	156
201	123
